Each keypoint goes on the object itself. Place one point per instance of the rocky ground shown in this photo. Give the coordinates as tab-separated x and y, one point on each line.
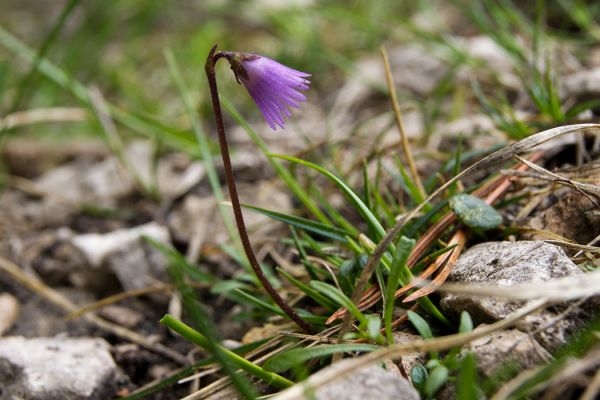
76	219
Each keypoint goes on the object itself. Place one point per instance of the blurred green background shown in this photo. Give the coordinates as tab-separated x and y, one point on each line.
119	46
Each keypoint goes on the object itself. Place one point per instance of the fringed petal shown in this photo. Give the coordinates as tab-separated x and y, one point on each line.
274	88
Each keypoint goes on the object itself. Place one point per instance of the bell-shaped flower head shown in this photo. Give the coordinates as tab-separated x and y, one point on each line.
273	86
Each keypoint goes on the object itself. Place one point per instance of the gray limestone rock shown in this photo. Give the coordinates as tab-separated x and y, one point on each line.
58	368
516	263
135	262
507	347
371	383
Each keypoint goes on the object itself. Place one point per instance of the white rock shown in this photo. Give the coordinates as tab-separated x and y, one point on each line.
9	311
83	181
581	83
96	247
56	368
136	263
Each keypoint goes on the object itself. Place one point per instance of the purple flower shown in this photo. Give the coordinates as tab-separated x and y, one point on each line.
273	86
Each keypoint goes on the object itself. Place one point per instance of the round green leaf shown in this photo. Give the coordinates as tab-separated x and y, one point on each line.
474	212
418	376
436	379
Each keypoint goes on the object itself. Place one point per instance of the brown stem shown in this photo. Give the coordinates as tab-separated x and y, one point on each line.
235	201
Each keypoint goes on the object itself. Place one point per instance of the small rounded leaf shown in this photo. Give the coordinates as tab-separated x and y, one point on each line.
474	212
436	379
418	376
466	323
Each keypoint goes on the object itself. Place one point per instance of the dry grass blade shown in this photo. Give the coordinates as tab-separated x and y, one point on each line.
346	367
543	234
460	239
593	390
117	298
126	295
398	117
40	288
544	174
421	279
492	190
562	289
39	115
495	158
220	384
509	387
593	242
573	370
574	246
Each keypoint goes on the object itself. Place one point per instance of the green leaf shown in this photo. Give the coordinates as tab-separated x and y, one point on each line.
373	326
437	378
228	286
286	360
466	383
228	356
474	212
349	272
418	376
151	388
411	187
269	308
336	295
466	323
358	204
310	292
420	325
399	267
328	231
180	261
261	304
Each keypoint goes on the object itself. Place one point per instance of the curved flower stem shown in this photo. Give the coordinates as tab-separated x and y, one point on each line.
235	201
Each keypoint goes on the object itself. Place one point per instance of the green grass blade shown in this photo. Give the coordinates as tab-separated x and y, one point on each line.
358	204
177	258
182	373
263	305
240	362
337	218
330	232
289	359
340	298
210	340
420	325
366	185
403	251
28	80
412	188
80	92
310	269
310	292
